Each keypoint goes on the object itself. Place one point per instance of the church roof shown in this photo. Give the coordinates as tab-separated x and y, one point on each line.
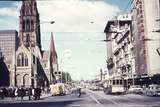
53	53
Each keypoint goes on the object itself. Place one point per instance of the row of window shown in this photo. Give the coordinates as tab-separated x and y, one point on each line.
22	60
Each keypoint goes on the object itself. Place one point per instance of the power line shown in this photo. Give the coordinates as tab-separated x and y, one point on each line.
72	32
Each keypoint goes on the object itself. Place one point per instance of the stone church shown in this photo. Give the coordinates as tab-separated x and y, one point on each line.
34	67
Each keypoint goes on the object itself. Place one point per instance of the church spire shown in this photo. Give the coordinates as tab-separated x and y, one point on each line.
53	54
29	24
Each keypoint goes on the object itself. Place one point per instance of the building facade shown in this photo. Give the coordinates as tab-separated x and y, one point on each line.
33	66
8	47
120	49
145	25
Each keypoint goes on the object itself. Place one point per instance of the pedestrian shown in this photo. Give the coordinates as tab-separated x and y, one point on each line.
79	92
12	91
16	92
34	93
38	93
22	92
2	93
29	93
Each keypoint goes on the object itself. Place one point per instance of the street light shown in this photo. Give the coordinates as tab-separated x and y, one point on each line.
108	40
50	22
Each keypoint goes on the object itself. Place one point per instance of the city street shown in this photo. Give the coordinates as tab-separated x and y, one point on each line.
89	99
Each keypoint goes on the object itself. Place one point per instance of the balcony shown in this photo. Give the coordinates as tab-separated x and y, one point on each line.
110	63
124	35
116	51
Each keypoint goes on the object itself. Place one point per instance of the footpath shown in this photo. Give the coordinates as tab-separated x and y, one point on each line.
25	99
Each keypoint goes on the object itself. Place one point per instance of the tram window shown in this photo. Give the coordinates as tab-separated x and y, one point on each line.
117	82
121	82
113	82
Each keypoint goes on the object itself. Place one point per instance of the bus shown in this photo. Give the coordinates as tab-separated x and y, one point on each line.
57	89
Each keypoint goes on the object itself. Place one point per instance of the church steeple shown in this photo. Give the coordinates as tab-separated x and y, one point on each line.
29	24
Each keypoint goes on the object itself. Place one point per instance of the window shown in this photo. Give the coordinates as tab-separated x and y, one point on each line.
19	60
27	25
113	82
34	59
23	25
32	25
26	60
22	60
27	39
45	65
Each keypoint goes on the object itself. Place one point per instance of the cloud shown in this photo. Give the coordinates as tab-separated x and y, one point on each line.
75	15
67	53
9	16
11	11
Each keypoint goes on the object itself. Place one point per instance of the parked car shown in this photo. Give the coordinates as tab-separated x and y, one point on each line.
94	88
137	89
153	90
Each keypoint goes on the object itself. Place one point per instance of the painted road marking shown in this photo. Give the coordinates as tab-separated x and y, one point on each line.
94	98
114	102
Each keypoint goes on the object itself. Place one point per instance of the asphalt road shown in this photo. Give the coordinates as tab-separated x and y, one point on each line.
90	99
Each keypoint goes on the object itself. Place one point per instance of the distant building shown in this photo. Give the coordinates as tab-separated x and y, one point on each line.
8	47
145	31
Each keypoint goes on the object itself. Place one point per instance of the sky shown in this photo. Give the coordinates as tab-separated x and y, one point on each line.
78	31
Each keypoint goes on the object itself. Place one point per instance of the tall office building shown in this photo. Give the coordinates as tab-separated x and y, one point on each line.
147	38
8	46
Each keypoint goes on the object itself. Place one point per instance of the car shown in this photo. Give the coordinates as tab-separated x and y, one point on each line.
136	89
94	88
153	90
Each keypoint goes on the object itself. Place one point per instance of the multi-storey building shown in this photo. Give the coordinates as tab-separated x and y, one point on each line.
145	26
8	46
120	49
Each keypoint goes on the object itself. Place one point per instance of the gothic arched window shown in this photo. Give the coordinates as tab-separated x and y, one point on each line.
27	25
23	25
19	57
32	25
26	60
22	59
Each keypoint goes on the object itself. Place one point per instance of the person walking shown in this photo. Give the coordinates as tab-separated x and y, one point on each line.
38	93
22	93
29	93
2	93
12	93
79	92
34	93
